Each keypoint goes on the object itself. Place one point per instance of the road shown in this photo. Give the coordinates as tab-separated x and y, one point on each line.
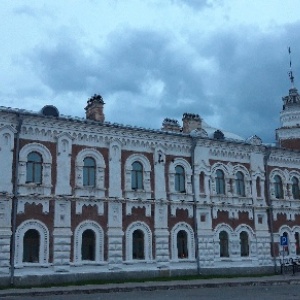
285	292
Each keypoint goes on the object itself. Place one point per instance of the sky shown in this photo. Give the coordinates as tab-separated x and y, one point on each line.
153	59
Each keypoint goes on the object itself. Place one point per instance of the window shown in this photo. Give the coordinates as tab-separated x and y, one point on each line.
286	248
88	245
182	244
137	176
223	236
179	179
220	182
278	187
244	240
34	168
202	182
258	189
138	244
295	187
89	172
31	244
240	184
297	243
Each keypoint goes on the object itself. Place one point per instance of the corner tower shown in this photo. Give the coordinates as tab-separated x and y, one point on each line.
288	135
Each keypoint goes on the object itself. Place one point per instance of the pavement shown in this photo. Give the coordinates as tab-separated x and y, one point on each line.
154	285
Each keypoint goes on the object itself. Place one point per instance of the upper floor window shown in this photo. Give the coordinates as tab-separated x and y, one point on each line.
258	187
34	167
89	172
244	240
295	188
240	184
137	176
220	182
179	179
297	242
278	187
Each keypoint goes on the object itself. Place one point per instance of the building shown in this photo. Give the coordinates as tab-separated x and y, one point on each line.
85	196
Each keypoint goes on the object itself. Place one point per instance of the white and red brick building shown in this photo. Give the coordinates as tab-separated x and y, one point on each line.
85	195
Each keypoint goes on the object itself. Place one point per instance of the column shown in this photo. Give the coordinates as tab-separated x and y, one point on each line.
63	164
5	234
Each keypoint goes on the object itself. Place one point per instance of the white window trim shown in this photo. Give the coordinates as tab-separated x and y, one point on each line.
190	240
147	241
99	236
44	243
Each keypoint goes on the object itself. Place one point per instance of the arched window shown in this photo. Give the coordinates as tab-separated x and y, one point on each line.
138	244
179	179
89	172
182	244
258	188
244	240
34	167
31	246
297	242
286	248
223	236
88	245
220	182
137	176
240	184
202	182
278	187
295	188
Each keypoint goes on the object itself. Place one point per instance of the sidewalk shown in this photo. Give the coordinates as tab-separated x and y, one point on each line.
153	285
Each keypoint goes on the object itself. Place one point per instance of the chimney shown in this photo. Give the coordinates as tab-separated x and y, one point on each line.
170	125
94	109
191	122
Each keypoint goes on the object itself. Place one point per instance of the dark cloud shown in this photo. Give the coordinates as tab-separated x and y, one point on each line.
195	4
145	73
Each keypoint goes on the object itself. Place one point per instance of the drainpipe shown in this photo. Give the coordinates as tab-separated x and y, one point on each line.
270	208
194	143
15	200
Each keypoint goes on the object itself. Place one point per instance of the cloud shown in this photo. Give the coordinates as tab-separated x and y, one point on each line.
235	77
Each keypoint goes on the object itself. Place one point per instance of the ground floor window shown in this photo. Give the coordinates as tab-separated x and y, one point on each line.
31	244
223	236
182	244
88	245
138	244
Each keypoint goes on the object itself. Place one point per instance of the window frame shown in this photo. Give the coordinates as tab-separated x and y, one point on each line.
278	187
295	188
220	182
240	184
180	179
137	176
224	244
89	172
34	168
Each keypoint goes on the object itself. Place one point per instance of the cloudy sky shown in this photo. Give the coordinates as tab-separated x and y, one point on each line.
151	59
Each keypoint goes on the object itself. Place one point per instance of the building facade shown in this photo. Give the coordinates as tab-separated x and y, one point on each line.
85	195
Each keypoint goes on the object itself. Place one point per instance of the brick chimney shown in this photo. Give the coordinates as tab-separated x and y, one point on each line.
170	125
94	109
191	122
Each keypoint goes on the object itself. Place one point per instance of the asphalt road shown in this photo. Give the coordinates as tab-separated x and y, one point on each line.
285	292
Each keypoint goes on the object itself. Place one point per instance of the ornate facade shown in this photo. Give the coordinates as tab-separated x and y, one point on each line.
85	195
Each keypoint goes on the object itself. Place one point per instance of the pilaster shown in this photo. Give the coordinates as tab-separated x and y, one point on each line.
62	235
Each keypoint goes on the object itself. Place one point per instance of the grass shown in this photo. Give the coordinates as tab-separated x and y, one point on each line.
139	280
